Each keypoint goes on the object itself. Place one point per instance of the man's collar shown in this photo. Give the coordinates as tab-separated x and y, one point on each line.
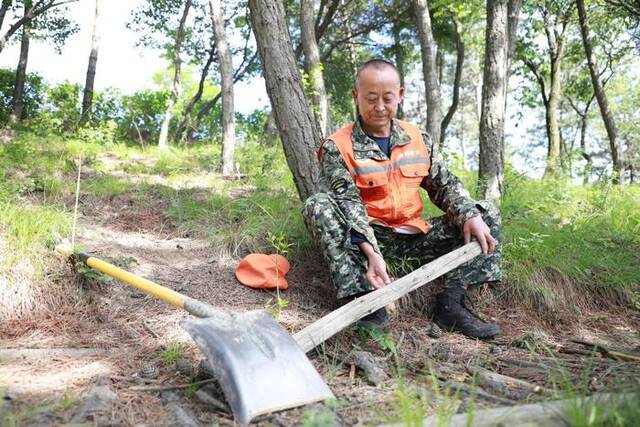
364	142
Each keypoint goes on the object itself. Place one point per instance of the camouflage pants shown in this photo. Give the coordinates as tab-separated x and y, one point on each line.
403	253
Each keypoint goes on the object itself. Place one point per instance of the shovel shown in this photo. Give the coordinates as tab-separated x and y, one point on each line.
259	365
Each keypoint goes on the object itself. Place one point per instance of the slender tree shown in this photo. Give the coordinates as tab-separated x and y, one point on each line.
313	66
598	89
21	70
226	78
429	70
175	84
294	118
87	98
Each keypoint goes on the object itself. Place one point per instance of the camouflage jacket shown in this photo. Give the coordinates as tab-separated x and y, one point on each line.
443	187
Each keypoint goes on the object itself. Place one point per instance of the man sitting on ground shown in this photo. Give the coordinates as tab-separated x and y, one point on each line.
369	209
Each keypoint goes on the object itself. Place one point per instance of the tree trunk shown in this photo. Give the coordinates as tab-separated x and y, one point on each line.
186	121
512	24
456	81
429	70
21	71
293	116
601	96
312	65
398	53
270	130
173	95
551	116
87	98
226	77
491	168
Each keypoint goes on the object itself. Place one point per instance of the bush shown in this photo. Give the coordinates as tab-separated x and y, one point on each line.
34	90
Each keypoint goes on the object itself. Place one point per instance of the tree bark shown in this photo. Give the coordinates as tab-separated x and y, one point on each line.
87	98
173	95
312	65
514	13
226	77
456	80
398	53
293	116
429	70
491	168
598	89
21	71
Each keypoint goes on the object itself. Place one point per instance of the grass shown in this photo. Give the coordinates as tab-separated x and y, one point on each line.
562	242
174	350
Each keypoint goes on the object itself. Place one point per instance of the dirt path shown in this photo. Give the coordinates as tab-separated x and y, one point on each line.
132	333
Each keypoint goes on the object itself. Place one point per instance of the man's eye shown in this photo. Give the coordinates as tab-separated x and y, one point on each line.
388	99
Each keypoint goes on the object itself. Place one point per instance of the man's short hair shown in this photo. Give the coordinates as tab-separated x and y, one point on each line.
378	64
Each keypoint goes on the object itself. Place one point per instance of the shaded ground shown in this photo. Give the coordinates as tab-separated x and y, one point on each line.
130	334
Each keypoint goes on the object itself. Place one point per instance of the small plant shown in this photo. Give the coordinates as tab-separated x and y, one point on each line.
275	306
279	242
173	351
315	418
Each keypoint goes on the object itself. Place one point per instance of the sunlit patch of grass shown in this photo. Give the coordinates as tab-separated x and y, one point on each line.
106	185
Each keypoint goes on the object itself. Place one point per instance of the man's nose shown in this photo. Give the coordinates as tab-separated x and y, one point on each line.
379	106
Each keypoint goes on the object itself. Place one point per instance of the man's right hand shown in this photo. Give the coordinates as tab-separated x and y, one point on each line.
377	271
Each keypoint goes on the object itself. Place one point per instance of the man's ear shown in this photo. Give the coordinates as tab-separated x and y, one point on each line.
354	95
401	95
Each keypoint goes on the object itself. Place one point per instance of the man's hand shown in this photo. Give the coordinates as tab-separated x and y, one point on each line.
377	271
476	227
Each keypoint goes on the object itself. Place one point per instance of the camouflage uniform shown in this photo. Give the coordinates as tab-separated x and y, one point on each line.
338	208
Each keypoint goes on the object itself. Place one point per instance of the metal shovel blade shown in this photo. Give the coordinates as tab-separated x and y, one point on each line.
258	364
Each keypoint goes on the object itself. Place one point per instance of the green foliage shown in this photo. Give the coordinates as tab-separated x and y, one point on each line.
589	234
172	352
33	94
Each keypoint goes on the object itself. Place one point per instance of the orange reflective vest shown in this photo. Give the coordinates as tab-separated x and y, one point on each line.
390	188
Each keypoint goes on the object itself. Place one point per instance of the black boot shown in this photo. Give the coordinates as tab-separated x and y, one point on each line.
379	319
452	314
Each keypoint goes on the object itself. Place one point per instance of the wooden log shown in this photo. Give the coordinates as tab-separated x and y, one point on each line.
614	354
326	327
509	387
478	393
550	413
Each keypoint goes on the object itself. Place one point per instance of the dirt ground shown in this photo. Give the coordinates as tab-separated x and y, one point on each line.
117	335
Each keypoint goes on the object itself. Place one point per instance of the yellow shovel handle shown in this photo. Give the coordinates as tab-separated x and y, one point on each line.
147	286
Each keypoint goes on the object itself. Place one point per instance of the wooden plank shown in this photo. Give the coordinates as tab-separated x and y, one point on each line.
550	413
326	327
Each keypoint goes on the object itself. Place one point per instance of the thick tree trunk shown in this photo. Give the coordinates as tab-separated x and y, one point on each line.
226	77
598	89
17	106
429	70
312	65
175	85
293	116
491	168
87	98
456	81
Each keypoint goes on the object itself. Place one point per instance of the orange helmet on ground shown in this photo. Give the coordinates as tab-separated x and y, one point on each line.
263	271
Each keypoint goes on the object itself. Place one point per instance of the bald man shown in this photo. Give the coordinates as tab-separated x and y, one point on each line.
368	213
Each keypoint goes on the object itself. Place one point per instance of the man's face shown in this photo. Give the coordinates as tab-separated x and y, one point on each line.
377	94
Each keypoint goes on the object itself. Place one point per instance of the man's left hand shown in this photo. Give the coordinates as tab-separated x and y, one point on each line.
476	227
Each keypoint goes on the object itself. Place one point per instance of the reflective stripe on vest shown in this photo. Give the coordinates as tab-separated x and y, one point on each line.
390	188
